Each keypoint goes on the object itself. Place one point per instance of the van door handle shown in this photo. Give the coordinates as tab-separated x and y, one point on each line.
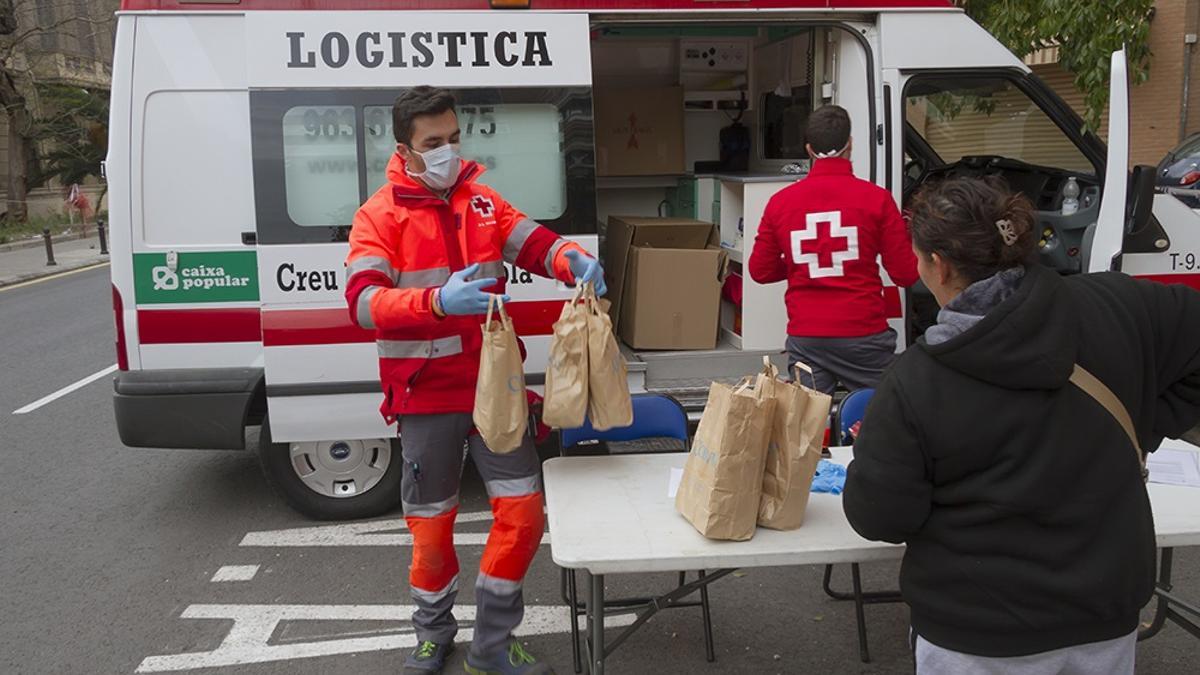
249	238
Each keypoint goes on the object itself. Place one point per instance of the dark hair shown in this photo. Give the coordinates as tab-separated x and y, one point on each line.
828	128
961	219
414	103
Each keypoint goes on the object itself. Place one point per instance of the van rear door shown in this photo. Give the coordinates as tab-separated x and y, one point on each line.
321	89
1110	228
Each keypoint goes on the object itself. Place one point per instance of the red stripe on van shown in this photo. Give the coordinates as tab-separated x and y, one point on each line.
193	326
297	327
1192	280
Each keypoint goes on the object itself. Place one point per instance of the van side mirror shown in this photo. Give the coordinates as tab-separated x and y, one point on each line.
1140	207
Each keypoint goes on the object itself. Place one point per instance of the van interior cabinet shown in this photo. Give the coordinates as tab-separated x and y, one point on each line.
761	320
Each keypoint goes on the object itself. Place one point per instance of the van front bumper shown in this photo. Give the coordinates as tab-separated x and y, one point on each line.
204	408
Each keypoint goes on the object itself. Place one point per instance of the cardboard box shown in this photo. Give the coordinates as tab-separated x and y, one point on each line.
665	282
639	132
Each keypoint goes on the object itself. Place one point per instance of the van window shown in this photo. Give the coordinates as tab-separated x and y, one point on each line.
195	169
318	154
320	164
977	116
520	145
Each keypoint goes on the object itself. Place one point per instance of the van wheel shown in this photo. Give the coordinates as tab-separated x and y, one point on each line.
333	480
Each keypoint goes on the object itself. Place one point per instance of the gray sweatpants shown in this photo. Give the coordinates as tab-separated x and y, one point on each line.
1111	657
858	362
432	448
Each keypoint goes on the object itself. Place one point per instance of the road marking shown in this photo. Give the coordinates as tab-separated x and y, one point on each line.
236	573
65	390
373	533
52	277
248	639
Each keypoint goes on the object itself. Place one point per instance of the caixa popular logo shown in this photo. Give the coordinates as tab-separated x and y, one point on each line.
420	49
195	276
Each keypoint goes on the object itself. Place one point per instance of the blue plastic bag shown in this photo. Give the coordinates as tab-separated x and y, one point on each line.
830	478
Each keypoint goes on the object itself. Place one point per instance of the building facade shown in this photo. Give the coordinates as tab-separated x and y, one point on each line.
66	42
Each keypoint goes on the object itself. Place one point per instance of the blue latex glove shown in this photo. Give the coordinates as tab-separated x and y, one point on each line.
586	268
462	297
829	478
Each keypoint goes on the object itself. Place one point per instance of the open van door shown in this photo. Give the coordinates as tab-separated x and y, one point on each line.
1110	226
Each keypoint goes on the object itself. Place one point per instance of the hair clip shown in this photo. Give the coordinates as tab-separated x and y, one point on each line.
1007	231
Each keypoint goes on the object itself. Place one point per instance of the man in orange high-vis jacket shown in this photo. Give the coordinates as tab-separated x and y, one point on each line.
426	251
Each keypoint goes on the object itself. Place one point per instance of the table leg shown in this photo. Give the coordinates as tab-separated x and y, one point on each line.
1163	582
573	612
708	634
595	610
860	614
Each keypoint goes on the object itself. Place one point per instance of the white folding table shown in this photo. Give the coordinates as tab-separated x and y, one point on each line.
612	515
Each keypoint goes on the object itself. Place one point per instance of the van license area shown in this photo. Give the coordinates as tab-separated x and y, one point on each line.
1185	262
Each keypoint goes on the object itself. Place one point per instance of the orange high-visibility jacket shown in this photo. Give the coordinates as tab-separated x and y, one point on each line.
405	243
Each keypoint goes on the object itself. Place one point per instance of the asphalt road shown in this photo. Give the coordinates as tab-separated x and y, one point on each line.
108	553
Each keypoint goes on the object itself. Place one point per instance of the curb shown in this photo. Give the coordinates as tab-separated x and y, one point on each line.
34	243
57	271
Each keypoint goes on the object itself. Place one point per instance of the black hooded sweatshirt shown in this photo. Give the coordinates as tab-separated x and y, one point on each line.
1019	497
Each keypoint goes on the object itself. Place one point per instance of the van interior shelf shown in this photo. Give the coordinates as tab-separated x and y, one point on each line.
667	180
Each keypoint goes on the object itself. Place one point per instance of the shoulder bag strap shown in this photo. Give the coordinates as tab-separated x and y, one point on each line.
1092	386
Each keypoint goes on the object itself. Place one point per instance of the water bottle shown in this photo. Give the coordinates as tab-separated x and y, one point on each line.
1070	197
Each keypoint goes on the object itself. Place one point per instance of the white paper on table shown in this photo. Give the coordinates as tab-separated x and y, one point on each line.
673	483
1172	466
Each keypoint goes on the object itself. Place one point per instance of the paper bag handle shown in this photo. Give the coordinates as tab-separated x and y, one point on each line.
743	384
496	301
580	293
769	368
804	367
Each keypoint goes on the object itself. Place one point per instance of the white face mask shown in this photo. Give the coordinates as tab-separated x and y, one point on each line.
442	166
833	153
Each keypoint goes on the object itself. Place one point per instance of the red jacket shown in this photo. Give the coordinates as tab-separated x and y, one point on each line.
405	243
825	235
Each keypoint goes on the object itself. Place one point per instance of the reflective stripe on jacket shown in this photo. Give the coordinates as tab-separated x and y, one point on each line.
404	244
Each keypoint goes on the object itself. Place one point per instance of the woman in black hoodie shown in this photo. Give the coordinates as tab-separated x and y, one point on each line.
1030	541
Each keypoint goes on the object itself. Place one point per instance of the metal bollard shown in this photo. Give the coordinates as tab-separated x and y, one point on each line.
49	247
103	239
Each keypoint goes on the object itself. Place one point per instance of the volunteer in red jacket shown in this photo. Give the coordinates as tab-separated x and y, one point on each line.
825	236
426	251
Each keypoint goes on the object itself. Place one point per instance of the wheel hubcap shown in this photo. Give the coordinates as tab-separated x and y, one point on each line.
341	469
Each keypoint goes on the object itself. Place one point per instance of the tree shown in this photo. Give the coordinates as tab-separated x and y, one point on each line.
21	21
1086	34
74	127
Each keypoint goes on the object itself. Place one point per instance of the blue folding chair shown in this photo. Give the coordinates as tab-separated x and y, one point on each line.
655	416
851	411
660	424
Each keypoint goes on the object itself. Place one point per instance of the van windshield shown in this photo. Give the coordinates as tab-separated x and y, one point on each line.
978	116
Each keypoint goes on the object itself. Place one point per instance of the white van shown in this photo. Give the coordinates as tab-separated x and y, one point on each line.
245	134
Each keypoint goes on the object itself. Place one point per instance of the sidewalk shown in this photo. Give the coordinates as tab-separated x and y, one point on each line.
24	264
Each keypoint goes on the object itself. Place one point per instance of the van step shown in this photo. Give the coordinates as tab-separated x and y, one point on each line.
680	371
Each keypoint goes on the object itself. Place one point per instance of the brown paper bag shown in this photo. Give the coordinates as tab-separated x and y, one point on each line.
501	409
609	403
722	479
566	402
801	415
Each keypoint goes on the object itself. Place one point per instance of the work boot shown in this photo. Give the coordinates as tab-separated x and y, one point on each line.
512	661
428	658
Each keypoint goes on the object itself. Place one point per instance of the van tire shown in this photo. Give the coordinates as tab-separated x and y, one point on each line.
276	462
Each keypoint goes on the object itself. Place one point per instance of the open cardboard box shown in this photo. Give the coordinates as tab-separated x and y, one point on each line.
665	281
